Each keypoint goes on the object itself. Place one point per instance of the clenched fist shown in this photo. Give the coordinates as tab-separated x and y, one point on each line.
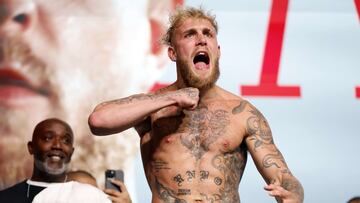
187	98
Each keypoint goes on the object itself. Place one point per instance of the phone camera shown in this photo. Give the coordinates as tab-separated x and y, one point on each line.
110	173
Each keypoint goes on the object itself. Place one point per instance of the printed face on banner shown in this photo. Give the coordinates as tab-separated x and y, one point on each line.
61	58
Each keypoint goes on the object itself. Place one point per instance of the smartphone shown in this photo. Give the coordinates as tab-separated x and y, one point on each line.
113	174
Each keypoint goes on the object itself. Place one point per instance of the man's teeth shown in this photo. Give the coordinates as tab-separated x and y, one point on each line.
55	158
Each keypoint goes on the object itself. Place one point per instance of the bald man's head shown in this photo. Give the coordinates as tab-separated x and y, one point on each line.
47	122
52	146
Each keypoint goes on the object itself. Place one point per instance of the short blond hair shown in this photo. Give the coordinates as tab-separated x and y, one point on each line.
183	13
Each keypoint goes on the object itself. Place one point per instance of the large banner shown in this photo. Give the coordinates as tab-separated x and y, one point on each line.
296	61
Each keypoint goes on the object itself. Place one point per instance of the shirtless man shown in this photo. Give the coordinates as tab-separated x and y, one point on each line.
195	135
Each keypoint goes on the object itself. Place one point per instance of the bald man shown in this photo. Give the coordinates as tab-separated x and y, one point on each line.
52	148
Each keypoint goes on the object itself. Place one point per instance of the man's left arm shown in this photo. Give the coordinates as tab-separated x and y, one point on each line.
269	161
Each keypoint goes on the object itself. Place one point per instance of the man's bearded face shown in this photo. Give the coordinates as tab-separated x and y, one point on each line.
192	80
52	146
196	52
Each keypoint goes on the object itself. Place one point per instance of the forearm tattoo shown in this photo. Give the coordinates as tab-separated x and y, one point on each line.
130	99
191	92
290	183
204	127
293	185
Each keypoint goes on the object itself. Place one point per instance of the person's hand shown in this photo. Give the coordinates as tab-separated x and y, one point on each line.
116	196
187	98
281	194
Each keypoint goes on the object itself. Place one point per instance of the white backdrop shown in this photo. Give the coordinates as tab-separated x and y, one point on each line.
318	131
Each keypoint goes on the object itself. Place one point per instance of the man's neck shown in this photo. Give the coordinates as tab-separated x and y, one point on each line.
209	94
179	84
46	177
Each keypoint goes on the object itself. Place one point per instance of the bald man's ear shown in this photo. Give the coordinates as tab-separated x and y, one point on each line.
30	147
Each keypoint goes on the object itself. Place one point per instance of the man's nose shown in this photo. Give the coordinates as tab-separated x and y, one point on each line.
201	40
16	16
56	144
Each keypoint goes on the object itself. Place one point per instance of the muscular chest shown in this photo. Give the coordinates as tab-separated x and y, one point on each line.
199	131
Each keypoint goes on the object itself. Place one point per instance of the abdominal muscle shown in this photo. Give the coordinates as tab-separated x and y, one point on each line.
176	173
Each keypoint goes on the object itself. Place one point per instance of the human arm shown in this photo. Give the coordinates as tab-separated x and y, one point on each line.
269	160
118	115
117	196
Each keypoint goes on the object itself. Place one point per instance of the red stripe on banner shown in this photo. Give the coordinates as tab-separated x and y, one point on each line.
271	63
155	35
177	3
357	5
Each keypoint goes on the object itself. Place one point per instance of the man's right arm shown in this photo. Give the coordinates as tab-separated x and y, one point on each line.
118	115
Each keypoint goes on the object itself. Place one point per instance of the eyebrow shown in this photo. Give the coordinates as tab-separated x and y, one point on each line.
69	135
193	30
190	31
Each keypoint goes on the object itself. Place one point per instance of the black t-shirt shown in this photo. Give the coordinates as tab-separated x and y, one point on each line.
20	193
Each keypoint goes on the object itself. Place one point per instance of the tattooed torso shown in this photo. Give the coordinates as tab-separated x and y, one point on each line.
196	156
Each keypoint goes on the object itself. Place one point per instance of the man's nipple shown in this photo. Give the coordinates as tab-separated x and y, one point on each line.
169	139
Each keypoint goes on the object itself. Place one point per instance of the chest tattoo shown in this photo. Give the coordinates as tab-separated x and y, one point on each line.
202	127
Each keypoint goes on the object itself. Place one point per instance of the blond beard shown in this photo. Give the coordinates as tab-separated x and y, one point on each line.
191	80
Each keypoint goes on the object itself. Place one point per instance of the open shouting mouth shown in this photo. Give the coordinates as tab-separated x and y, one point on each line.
201	60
